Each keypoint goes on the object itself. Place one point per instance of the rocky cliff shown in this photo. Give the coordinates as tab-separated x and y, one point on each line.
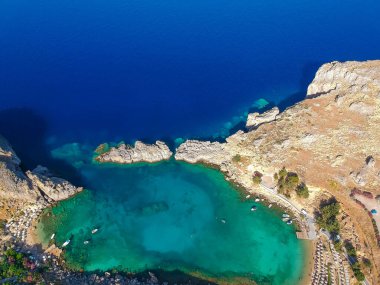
327	138
141	152
37	185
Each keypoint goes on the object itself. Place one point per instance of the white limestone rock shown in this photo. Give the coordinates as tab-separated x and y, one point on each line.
141	152
13	182
352	76
52	188
194	151
256	119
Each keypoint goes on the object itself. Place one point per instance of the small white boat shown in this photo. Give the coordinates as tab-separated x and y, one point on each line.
253	208
257	200
248	196
270	206
94	231
66	243
285	216
86	242
52	236
223	221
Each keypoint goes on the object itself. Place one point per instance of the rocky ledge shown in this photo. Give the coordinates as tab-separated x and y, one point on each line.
256	119
141	152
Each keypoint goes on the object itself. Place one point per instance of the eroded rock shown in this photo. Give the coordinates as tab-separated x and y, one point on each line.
256	119
141	152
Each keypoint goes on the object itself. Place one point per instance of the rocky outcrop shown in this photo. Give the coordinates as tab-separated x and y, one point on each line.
194	151
13	182
141	152
325	138
52	188
36	185
352	76
256	119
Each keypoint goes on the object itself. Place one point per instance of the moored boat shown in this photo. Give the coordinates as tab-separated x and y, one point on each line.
94	231
66	243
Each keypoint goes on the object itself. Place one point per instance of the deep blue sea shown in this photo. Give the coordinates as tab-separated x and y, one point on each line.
94	71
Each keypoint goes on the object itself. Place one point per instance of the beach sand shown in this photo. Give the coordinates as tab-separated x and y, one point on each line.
309	247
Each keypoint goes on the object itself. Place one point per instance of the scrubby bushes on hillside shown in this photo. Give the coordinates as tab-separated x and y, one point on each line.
290	181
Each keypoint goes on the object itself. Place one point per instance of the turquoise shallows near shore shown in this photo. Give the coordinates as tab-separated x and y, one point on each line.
173	215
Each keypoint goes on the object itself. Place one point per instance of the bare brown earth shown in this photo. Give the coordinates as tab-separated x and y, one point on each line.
331	139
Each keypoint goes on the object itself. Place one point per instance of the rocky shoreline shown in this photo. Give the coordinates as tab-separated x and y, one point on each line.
326	139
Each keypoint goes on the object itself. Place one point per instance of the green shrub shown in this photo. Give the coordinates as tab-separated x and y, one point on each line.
282	173
256	179
302	190
367	263
16	264
236	158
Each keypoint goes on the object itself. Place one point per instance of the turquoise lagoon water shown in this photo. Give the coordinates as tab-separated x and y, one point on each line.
173	216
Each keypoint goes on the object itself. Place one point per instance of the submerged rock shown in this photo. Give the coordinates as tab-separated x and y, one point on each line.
141	152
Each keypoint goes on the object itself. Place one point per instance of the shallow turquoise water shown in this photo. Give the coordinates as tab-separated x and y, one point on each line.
169	216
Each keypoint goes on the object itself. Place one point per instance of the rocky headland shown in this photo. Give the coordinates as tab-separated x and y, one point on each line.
331	140
141	152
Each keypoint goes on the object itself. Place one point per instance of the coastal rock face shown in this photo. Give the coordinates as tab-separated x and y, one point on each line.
351	76
324	138
13	182
256	119
194	151
52	188
36	185
141	152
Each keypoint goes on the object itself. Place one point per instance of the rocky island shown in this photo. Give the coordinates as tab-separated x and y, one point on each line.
141	152
329	142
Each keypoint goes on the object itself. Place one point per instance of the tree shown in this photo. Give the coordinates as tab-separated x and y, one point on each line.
256	179
283	172
327	216
302	190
